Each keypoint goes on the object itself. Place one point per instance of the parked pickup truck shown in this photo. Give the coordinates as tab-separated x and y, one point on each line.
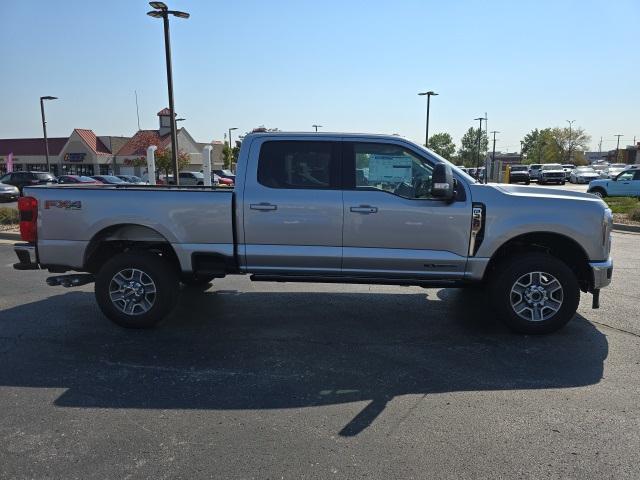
324	208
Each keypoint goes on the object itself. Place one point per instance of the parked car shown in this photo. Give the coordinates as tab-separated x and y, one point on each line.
222	181
600	169
133	179
78	179
568	168
612	171
191	178
463	168
23	179
551	173
626	184
519	174
583	175
110	180
226	174
302	216
9	193
534	171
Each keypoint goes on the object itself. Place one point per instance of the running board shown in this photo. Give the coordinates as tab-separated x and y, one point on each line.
407	282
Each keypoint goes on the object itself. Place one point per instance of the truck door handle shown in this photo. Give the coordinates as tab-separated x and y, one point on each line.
364	209
263	206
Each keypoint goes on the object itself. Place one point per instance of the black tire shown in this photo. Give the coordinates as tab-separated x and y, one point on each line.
161	272
527	182
562	183
512	269
197	281
598	192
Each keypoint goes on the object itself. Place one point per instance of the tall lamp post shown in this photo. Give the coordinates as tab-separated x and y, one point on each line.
44	128
161	11
316	127
493	158
479	140
231	147
428	94
570	122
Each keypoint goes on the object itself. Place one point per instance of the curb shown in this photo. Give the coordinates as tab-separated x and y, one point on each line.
10	236
621	227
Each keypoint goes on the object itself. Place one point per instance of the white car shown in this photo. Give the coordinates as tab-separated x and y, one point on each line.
551	173
191	178
583	175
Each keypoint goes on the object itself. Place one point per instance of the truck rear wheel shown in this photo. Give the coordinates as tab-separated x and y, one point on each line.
535	293
136	289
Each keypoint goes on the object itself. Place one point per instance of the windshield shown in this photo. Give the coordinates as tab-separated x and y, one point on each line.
86	179
585	169
552	166
112	179
519	168
44	176
535	166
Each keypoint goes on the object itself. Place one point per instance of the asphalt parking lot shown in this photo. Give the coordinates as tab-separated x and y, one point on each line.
317	381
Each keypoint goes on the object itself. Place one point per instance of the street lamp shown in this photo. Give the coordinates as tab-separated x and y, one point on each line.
161	11
428	94
316	127
479	140
180	120
44	128
570	123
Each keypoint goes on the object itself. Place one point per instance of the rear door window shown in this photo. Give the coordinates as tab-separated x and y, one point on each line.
299	165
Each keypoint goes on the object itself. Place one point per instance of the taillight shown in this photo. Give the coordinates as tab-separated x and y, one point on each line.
28	208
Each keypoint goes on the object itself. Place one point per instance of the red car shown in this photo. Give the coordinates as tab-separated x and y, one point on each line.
78	179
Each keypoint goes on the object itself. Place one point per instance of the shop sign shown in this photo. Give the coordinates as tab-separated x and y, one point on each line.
74	157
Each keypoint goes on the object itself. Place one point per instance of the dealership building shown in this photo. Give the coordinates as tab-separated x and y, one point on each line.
85	153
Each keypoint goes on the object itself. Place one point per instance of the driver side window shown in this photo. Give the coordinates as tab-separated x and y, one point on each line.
392	169
625	176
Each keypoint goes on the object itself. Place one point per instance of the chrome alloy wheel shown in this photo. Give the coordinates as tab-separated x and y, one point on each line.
132	291
536	296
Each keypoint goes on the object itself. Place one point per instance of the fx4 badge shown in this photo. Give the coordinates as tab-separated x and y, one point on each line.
66	204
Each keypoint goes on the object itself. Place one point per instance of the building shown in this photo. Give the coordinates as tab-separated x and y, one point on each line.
628	155
594	157
85	153
29	153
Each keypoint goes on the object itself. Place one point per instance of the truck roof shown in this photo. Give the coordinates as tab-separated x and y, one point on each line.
325	134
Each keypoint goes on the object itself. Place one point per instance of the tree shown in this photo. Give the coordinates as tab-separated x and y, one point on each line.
443	145
568	144
468	153
164	161
230	155
552	145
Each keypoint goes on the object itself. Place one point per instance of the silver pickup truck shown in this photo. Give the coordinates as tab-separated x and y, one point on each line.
324	207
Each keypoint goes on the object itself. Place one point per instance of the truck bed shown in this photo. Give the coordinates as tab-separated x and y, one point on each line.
191	219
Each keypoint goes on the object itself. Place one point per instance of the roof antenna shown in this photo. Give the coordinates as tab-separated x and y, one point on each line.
137	112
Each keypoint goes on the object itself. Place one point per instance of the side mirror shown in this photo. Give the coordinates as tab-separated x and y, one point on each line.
442	182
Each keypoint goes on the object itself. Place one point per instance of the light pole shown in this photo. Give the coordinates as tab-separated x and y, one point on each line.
479	141
161	11
428	94
44	128
570	123
316	127
231	148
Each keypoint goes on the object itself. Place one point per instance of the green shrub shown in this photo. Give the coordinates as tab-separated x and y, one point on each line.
635	214
8	216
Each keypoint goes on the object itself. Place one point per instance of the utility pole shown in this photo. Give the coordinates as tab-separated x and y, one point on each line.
479	141
600	146
493	155
617	147
316	127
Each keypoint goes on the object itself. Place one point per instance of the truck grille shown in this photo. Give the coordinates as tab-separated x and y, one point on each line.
553	175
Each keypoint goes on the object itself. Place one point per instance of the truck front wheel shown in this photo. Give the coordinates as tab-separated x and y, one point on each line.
535	293
136	289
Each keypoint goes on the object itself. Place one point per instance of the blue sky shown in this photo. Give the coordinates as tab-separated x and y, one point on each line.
347	65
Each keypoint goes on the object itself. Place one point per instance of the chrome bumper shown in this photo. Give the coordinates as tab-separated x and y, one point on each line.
602	272
27	257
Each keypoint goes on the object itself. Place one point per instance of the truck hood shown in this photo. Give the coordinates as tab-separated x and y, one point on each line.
541	192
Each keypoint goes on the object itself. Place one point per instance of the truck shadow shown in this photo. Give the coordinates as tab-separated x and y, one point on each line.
266	350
